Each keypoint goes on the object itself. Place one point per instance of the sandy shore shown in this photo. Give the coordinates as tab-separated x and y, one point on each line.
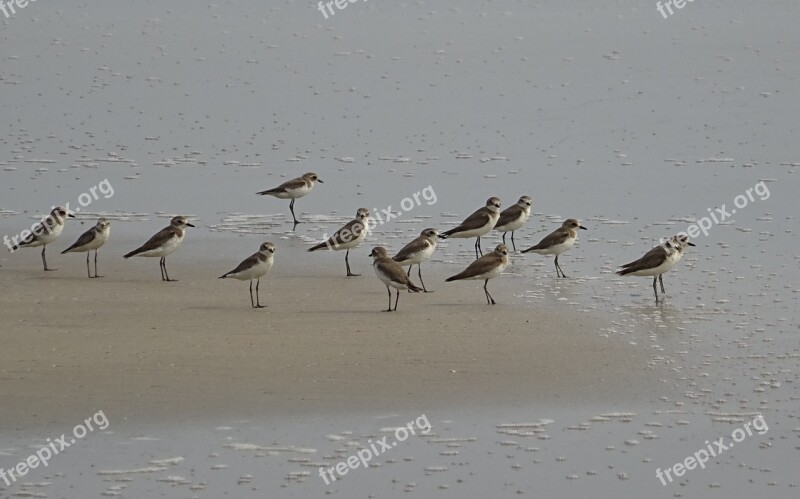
146	351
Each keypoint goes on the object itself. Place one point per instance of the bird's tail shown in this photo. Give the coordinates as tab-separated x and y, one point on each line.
413	287
133	253
318	247
269	191
626	271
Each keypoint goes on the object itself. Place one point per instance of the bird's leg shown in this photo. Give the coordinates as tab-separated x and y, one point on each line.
390	300
44	259
95	264
661	281
419	268
258	301
513	244
252	304
88	272
161	267
655	291
347	263
395	300
164	259
291	208
558	268
489	299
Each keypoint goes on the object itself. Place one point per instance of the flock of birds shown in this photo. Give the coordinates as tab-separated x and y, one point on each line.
388	269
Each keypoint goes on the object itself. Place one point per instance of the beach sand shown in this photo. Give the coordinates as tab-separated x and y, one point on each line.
146	351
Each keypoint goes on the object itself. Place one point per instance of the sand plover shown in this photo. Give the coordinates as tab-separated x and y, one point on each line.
254	267
293	189
477	224
486	267
558	241
347	237
514	217
90	240
417	251
44	233
658	261
392	274
163	243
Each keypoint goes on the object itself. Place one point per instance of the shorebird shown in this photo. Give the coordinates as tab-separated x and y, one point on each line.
44	233
347	237
392	274
293	189
486	267
254	267
658	261
417	251
163	243
90	240
477	224
558	241
514	217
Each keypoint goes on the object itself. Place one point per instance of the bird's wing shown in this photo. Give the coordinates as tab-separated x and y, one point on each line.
85	238
409	249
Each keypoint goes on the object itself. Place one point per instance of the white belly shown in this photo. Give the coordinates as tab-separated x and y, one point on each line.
481	231
385	279
496	271
514	225
100	239
293	193
46	237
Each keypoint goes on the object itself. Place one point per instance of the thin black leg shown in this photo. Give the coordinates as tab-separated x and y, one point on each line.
504	237
479	245
258	300
395	300
44	259
558	268
661	281
252	303
347	263
390	300
513	244
489	299
291	208
161	267
95	264
409	270
419	268
655	291
164	260
88	272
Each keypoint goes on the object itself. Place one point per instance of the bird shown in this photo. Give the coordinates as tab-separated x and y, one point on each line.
293	189
347	237
163	243
658	261
477	224
417	251
254	267
558	241
90	240
391	274
514	217
44	233
486	267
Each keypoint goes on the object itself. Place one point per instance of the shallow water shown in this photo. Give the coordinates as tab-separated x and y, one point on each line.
600	111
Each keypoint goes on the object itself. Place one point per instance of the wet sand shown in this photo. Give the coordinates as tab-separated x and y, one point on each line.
146	351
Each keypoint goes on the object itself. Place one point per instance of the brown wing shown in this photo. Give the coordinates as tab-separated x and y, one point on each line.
85	238
658	250
558	236
509	215
154	242
248	262
474	221
347	233
480	266
295	183
409	249
651	259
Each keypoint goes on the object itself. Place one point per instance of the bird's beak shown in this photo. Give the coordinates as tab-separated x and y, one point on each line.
691	244
582	227
320	181
189	225
70	215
